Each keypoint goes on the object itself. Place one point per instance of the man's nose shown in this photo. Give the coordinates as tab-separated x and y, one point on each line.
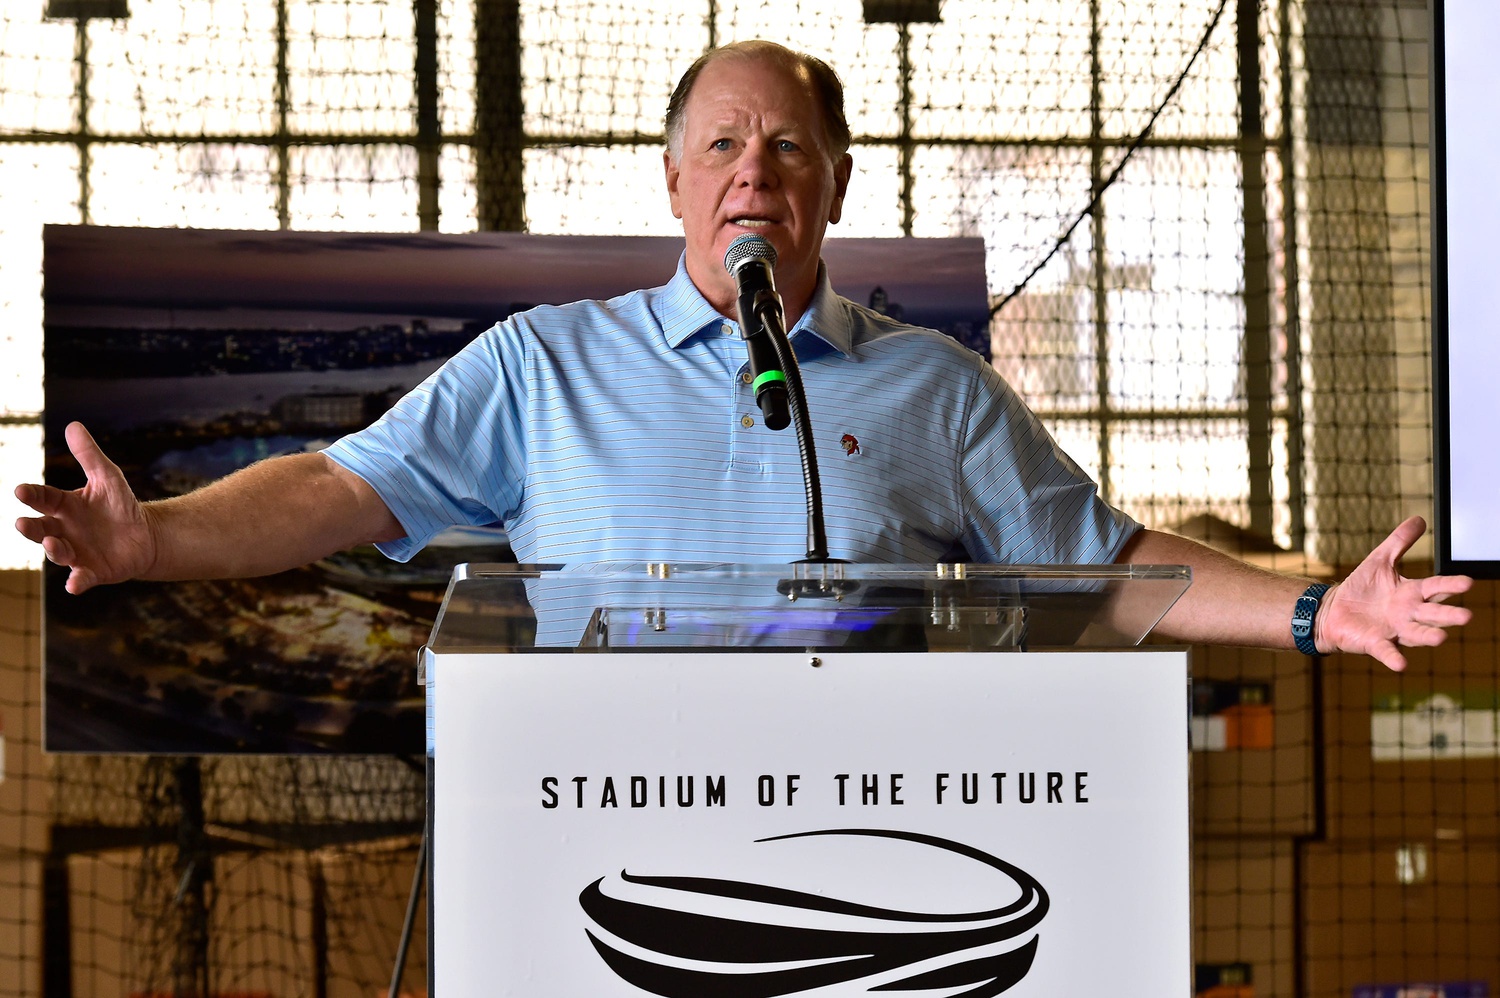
757	166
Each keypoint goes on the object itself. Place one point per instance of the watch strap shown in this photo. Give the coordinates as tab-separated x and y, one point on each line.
1303	616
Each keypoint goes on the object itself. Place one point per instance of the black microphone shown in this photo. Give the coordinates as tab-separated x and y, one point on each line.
750	260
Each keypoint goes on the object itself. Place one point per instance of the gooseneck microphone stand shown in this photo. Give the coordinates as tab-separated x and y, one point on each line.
750	260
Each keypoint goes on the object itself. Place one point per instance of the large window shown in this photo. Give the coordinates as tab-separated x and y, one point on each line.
1152	331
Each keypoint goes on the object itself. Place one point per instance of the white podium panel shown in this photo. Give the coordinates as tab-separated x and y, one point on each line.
752	824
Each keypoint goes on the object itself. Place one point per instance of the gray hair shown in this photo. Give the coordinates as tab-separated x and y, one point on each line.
827	87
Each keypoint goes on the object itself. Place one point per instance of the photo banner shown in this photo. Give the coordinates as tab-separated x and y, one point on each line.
191	353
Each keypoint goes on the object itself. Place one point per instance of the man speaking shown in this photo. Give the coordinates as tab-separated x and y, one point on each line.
627	430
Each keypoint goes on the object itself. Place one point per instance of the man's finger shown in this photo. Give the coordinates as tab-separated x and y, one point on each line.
1440	615
1389	656
1440	587
42	498
57	550
1422	636
80	580
38	528
30	528
1400	540
86	452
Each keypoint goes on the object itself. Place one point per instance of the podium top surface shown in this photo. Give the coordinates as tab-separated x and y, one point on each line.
500	608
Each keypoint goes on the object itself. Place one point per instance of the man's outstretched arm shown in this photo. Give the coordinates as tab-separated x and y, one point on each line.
269	517
1375	611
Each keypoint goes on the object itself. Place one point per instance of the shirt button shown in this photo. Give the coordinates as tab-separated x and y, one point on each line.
747	421
727	329
746	378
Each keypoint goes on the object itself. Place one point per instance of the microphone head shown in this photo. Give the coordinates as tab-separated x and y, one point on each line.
746	248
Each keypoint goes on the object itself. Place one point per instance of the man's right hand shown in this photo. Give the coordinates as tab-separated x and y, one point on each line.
100	531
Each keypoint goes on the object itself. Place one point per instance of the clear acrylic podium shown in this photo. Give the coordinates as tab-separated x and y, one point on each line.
763	704
515	608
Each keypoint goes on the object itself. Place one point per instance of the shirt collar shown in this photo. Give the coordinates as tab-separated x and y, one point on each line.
683	311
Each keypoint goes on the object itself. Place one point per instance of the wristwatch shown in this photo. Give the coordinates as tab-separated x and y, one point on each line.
1303	615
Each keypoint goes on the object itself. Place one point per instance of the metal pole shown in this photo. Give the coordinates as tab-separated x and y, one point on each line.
283	113
85	159
413	904
499	120
1291	269
429	123
1256	352
905	149
195	871
1099	258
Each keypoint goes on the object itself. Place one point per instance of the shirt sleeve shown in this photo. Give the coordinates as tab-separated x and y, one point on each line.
453	450
1025	501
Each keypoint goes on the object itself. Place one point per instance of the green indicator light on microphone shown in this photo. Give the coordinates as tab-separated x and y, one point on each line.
764	379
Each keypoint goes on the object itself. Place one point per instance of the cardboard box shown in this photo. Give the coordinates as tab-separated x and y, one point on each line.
1425	797
1260	782
270	915
25	793
1223	980
1394	911
1243	904
20	925
366	896
128	935
1425	989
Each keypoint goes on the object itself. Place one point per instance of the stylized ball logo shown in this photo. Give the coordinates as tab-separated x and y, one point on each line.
763	940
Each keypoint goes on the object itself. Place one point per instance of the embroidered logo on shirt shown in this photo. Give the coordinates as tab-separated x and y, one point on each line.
850	443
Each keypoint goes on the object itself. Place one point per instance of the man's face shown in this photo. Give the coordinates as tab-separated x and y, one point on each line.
754	158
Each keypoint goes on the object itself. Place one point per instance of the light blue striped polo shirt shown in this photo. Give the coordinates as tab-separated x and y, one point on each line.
624	431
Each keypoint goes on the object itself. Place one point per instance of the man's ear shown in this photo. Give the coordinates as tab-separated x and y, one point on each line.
671	171
841	173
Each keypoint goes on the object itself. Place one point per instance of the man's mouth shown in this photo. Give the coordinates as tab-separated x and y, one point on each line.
751	223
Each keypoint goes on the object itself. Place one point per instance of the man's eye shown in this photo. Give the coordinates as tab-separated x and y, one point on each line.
786	145
722	145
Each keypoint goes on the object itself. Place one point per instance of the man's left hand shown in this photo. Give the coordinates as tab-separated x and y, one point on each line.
1377	608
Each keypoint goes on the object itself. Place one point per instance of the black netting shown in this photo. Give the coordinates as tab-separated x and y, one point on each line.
1207	235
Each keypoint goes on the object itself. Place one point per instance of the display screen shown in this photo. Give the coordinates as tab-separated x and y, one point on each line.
1466	285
